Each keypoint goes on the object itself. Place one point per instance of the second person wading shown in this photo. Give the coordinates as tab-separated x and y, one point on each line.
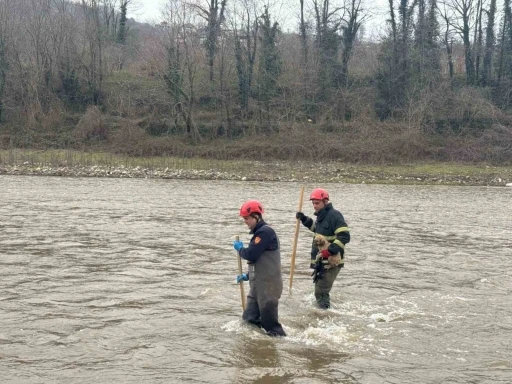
328	262
264	261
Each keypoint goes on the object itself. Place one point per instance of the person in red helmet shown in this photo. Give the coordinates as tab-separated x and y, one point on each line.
326	263
264	261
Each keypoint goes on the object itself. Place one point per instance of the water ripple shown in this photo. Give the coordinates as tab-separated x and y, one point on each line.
107	280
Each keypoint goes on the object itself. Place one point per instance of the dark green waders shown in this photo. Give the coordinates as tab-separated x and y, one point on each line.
266	287
323	287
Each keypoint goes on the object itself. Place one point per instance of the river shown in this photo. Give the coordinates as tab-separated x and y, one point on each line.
133	280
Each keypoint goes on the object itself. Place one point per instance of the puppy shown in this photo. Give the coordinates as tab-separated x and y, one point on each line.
322	243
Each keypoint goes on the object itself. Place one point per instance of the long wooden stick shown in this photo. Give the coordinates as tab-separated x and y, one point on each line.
242	294
294	250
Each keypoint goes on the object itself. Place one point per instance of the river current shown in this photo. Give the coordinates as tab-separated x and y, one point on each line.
133	280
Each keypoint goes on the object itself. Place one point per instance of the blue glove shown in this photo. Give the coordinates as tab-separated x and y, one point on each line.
242	277
238	245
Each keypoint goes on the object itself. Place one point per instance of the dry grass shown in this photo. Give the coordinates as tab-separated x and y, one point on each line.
332	171
91	126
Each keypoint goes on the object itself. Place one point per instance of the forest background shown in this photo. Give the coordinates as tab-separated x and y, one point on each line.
220	79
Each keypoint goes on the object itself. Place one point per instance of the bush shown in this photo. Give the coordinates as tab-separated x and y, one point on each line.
90	127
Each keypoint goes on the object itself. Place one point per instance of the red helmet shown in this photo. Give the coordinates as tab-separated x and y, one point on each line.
251	206
319	194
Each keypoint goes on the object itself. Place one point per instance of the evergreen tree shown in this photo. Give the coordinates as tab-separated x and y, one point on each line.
489	44
426	51
394	74
121	33
505	59
270	64
245	57
327	44
348	36
214	17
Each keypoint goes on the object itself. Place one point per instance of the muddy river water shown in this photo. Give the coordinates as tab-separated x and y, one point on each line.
133	280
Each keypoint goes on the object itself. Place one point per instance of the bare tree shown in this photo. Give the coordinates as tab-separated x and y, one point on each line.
213	14
65	38
350	28
94	38
463	21
245	52
38	30
180	45
303	27
110	17
478	38
447	36
4	65
226	65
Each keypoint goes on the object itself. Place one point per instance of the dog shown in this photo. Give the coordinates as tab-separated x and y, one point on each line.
322	243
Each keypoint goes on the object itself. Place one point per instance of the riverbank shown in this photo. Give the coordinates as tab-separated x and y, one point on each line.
79	164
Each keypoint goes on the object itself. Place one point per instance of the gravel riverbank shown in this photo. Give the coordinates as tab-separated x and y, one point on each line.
438	175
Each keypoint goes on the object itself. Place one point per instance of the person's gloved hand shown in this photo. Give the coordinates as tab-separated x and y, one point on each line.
242	277
238	245
300	216
319	272
325	253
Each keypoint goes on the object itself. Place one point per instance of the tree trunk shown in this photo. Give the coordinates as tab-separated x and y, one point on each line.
489	45
478	40
348	38
503	42
2	90
468	57
214	18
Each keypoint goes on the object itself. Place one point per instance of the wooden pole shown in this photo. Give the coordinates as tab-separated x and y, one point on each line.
294	250
242	294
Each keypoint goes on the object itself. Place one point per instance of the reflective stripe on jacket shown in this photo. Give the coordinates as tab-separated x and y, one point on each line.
331	224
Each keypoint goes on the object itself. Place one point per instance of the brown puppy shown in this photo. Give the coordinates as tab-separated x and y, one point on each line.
322	243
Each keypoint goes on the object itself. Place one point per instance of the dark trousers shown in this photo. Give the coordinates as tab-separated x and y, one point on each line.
323	287
262	311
